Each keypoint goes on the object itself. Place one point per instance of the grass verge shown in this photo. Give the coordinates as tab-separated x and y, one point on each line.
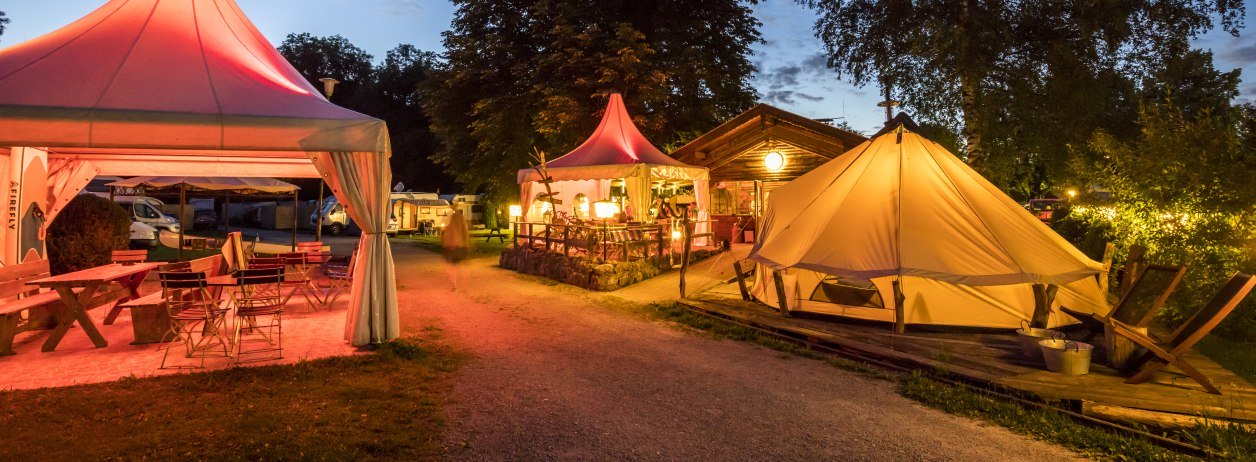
1227	442
378	406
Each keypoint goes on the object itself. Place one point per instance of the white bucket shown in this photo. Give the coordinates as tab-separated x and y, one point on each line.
1029	338
1066	356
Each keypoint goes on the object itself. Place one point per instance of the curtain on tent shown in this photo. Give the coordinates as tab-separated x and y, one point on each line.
65	179
638	188
361	180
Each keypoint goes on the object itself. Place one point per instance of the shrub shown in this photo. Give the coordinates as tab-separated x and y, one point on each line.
85	233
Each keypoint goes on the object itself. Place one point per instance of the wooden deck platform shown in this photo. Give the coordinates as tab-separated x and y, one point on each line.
994	358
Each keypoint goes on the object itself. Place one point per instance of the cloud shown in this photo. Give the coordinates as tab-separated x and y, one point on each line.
781	77
788	97
405	8
1244	55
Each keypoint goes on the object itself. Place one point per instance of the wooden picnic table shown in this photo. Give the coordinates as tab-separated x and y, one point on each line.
73	305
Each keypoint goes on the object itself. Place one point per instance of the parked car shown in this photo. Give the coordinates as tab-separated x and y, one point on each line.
204	219
1044	209
148	211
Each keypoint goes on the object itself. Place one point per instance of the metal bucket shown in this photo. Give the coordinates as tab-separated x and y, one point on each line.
1029	338
1066	356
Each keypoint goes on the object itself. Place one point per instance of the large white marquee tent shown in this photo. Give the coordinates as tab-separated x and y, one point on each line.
184	87
901	207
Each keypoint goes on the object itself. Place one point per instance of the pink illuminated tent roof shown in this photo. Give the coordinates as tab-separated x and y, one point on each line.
190	87
152	75
615	150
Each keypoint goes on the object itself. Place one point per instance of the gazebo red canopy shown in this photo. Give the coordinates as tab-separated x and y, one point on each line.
615	150
187	87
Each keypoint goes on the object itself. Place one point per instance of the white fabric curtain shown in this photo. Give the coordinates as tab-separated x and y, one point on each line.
638	188
702	194
525	198
360	181
65	179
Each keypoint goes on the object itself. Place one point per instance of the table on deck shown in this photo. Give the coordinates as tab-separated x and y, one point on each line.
74	305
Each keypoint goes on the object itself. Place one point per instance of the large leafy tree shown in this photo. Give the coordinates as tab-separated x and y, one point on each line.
1019	80
389	91
536	73
3	21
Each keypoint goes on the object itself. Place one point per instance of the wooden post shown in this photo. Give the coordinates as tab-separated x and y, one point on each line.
685	225
547	237
1105	277
566	239
294	220
1043	296
514	234
660	236
226	214
183	189
900	311
781	300
318	222
741	281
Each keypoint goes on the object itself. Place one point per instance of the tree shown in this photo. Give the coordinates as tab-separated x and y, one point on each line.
335	57
1183	188
1015	78
395	97
3	21
521	74
388	91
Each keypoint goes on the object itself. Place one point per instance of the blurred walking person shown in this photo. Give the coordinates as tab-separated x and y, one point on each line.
455	243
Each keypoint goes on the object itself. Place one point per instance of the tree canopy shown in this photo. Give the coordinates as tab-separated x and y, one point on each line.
1021	81
536	73
4	20
389	91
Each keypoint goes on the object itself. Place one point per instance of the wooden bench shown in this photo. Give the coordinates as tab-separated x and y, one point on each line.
127	257
13	279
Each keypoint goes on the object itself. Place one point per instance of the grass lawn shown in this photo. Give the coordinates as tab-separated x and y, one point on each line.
1239	357
479	247
379	406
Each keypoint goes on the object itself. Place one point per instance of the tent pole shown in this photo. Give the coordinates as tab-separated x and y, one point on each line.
183	188
294	220
227	214
318	224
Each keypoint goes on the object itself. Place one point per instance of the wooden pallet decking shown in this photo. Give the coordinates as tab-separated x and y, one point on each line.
995	358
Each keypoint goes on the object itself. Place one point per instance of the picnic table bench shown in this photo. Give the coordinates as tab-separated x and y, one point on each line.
38	306
79	290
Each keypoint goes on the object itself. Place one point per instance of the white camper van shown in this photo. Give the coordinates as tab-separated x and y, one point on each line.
144	231
147	210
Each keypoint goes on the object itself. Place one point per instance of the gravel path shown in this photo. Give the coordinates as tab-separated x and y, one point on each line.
559	373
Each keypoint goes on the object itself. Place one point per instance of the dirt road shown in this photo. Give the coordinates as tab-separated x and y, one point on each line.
558	373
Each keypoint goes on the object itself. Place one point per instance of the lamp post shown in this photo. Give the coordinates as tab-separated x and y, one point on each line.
329	87
605	210
516	214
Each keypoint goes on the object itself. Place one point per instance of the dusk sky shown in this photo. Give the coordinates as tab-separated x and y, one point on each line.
791	74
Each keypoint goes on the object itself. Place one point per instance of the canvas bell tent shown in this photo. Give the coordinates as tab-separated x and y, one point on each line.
186	87
616	152
900	207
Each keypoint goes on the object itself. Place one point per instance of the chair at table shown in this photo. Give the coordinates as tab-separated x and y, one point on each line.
128	257
193	310
1159	354
316	246
1145	294
298	277
340	277
259	297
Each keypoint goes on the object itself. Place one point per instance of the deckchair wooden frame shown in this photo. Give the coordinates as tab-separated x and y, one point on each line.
1171	353
1095	322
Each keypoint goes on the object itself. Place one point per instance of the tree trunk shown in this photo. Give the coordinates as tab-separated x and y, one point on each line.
969	87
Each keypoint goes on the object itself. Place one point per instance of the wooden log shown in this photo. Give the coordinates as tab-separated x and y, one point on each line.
741	281
781	299
900	311
1043	296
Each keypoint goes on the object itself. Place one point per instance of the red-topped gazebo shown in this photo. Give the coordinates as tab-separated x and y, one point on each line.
184	87
616	151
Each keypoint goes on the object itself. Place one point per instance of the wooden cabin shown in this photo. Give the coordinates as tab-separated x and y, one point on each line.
751	154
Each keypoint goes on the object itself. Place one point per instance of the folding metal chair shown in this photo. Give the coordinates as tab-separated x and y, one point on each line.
258	297
192	310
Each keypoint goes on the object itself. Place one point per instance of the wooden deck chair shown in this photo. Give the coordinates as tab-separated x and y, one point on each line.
315	246
1192	331
128	257
1138	305
234	253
